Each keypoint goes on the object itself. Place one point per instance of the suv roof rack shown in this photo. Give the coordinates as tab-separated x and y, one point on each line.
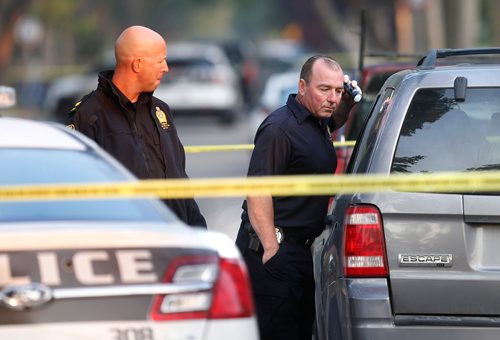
392	54
429	61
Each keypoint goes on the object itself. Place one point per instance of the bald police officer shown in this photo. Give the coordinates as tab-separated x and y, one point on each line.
124	117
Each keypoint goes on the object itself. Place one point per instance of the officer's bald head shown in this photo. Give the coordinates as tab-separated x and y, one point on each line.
136	42
141	61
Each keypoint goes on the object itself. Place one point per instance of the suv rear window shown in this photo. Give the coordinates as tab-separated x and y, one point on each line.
442	134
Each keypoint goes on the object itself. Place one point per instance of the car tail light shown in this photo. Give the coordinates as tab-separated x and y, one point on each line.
232	297
227	292
364	243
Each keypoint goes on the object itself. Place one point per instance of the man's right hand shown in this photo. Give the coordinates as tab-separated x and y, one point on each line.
261	214
270	252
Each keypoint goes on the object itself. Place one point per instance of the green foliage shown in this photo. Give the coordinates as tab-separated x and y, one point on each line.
260	18
72	22
58	14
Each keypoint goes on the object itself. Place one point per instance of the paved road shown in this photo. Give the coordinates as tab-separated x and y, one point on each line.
222	214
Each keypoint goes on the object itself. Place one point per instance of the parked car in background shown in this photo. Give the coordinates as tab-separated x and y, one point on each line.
274	95
7	97
106	268
414	265
242	55
201	81
65	91
278	56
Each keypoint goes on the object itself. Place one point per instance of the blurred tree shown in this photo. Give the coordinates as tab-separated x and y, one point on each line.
314	18
174	19
260	19
334	25
490	25
10	12
380	23
462	24
73	31
78	32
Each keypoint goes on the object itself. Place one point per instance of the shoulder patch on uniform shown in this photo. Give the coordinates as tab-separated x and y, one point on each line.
84	98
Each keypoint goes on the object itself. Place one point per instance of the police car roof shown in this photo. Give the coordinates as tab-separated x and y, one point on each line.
24	133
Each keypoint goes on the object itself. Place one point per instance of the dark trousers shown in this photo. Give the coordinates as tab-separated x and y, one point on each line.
283	289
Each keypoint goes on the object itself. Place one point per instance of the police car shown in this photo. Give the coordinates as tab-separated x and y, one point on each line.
124	269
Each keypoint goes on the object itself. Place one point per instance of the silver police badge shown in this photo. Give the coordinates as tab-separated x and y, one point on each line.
279	234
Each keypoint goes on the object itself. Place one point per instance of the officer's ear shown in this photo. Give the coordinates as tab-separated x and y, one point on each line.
301	87
137	65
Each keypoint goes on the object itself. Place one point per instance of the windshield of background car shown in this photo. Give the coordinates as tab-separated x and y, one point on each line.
189	69
42	166
442	134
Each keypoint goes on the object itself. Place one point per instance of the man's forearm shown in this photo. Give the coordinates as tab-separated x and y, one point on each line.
261	214
340	116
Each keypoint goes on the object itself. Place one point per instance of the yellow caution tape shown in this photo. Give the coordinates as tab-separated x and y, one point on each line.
239	147
273	185
215	148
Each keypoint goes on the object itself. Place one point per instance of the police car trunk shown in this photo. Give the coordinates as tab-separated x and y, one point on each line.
121	281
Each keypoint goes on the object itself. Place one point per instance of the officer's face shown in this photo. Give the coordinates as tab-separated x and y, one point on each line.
322	94
155	67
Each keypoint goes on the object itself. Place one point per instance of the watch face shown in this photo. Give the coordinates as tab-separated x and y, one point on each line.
279	235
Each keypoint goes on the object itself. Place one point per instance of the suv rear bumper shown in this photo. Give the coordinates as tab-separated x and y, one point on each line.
428	333
367	314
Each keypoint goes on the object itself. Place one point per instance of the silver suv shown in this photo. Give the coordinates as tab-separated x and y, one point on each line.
411	265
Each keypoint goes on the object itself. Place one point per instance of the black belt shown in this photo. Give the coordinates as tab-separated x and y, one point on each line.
282	234
292	237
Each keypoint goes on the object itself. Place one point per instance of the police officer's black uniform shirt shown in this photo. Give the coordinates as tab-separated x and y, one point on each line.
141	135
291	141
148	137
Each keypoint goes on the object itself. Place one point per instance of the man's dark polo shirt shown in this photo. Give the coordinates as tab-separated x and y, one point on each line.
291	141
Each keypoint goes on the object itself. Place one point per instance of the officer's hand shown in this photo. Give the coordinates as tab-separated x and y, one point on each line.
352	92
270	252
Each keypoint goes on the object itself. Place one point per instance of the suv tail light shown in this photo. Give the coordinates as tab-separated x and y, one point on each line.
221	290
364	243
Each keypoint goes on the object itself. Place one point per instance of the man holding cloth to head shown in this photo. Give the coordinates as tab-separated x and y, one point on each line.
276	232
125	119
